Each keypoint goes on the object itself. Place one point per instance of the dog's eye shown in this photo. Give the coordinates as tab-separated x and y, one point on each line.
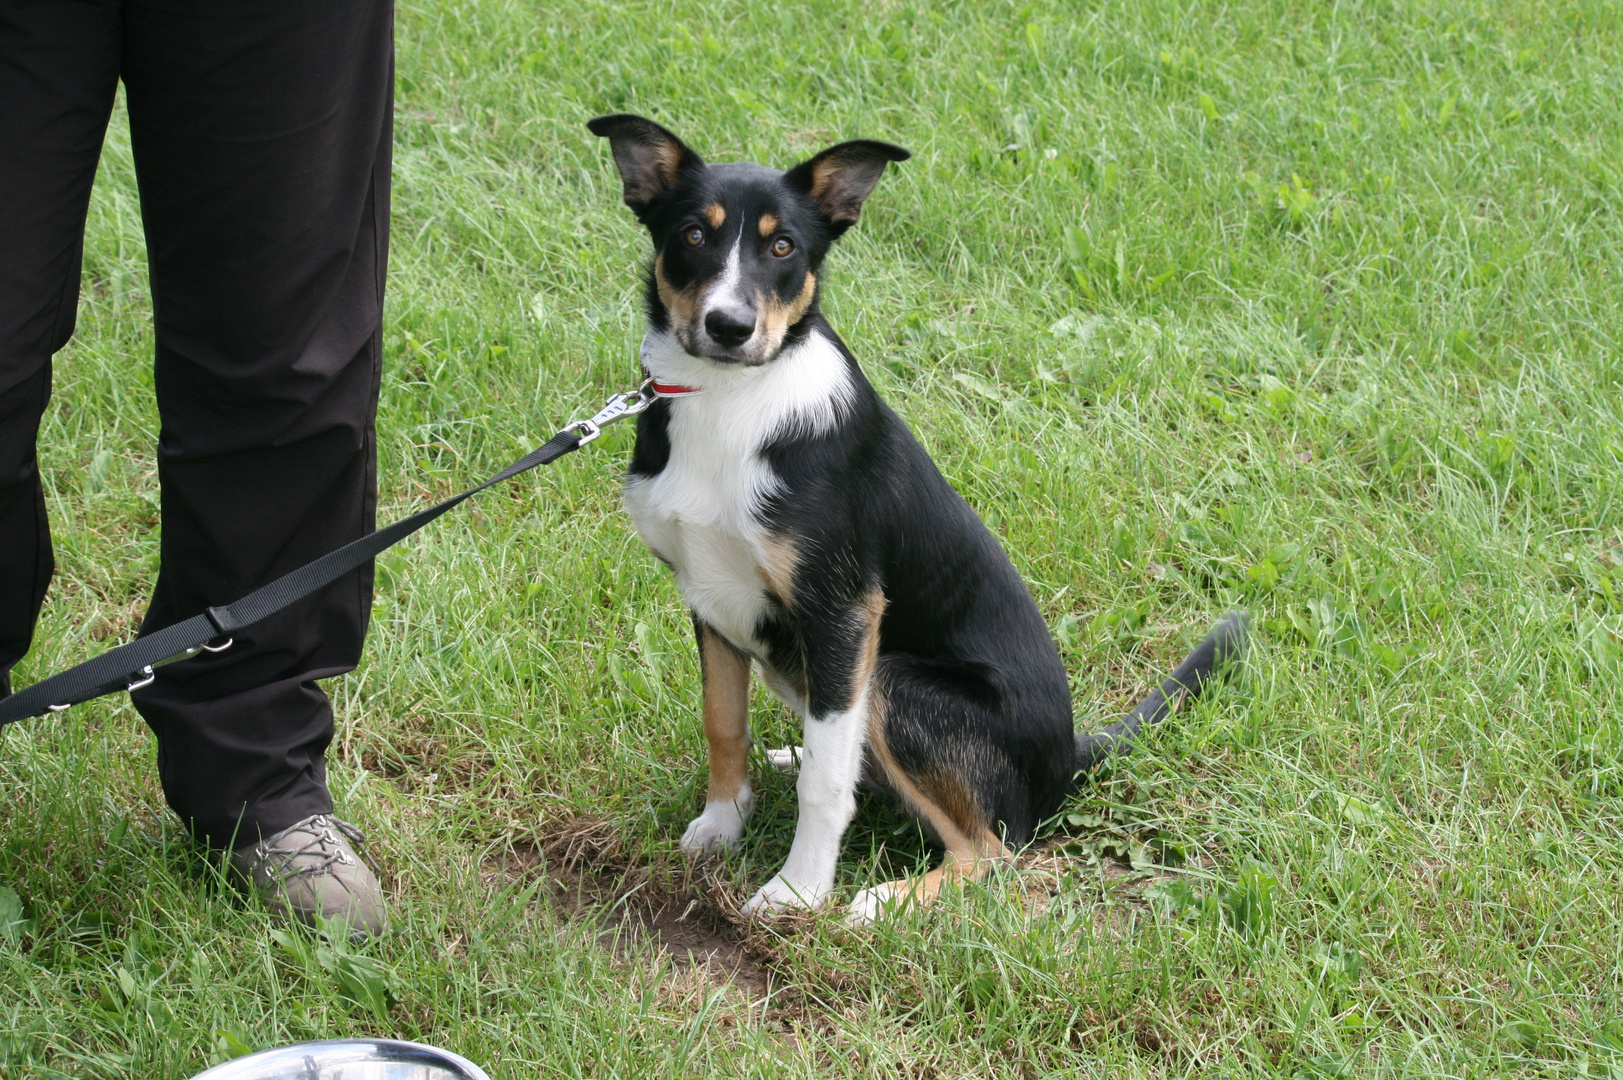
782	246
694	236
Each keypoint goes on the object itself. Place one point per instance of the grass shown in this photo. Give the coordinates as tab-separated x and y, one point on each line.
1307	306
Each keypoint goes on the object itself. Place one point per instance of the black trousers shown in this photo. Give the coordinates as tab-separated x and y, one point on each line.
261	134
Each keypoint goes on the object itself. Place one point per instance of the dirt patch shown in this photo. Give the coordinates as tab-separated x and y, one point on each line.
676	910
691	930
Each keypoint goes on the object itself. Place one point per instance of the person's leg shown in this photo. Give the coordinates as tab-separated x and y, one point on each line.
261	134
58	74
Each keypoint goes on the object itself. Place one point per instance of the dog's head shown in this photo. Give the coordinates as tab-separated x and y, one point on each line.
737	247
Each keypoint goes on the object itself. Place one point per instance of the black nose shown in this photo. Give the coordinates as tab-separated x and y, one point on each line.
730	328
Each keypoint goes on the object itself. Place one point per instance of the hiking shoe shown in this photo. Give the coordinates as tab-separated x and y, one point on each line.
309	870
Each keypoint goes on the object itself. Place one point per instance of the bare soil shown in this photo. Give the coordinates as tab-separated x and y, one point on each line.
637	907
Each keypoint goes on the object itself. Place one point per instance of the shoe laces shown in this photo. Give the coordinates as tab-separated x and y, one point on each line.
313	854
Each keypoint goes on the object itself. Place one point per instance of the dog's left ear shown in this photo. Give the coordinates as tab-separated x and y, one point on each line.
648	157
840	178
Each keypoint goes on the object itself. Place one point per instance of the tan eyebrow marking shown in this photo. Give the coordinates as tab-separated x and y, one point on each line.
769	224
715	213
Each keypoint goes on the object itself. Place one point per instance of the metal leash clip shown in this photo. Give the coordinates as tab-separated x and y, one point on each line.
621	405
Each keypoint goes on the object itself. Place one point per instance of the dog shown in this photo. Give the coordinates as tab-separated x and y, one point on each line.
813	537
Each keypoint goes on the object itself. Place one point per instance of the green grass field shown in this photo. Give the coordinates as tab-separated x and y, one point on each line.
1311	306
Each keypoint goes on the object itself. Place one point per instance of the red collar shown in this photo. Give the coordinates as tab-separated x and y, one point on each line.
668	390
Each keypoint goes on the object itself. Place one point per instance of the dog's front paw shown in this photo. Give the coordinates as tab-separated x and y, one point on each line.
719	828
780	895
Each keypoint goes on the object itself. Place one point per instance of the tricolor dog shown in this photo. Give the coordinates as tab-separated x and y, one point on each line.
814	539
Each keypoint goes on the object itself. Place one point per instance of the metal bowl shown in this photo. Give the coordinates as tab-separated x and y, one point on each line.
348	1059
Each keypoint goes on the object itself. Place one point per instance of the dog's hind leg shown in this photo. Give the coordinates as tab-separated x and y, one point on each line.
948	806
871	905
728	801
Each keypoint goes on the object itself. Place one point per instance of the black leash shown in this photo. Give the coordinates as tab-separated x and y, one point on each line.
130	666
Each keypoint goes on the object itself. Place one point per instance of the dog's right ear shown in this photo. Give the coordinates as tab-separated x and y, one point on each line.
649	157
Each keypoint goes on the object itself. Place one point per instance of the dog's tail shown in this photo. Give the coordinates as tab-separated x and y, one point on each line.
1221	647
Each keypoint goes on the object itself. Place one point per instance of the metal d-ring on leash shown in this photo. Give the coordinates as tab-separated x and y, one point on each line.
146	676
132	665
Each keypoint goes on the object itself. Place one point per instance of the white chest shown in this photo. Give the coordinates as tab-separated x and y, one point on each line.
702	512
701	519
